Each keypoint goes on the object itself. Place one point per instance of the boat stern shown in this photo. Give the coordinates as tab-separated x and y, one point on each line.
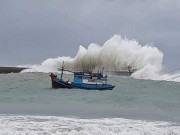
52	79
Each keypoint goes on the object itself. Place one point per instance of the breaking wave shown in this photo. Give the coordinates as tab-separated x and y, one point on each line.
116	54
36	125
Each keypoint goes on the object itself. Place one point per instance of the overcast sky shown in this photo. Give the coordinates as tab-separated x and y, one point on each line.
34	30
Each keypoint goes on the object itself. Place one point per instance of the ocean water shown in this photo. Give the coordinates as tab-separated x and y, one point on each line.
28	105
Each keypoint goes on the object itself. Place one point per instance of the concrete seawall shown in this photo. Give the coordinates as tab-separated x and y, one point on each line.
5	70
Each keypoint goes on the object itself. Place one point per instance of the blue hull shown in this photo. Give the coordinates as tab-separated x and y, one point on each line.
93	86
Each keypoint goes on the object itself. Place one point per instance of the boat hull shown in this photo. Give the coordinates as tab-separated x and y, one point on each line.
94	86
59	83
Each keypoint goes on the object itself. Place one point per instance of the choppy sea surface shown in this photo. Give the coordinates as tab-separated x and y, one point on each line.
29	106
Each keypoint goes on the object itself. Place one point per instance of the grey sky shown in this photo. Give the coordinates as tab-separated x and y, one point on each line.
34	30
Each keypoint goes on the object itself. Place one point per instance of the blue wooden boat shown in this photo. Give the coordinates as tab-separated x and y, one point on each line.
82	80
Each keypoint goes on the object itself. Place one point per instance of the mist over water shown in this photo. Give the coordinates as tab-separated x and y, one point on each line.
116	54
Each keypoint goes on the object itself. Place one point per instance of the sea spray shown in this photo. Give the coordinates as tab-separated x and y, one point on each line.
115	55
15	125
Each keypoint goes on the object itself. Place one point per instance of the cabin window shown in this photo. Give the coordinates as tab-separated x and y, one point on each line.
94	77
78	77
85	77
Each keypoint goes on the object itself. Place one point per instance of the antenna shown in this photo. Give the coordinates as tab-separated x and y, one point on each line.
62	70
102	70
63	64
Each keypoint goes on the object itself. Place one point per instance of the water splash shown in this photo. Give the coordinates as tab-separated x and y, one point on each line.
62	125
115	55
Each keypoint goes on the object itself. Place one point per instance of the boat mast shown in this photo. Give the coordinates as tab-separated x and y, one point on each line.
62	69
102	71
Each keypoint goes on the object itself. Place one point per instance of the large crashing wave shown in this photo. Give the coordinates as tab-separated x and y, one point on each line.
115	55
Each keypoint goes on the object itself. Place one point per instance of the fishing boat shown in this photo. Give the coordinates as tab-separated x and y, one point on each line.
82	80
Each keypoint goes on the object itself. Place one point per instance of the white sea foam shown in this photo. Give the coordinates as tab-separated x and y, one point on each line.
115	55
47	125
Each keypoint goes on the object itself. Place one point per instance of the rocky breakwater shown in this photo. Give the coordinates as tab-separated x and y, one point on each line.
5	70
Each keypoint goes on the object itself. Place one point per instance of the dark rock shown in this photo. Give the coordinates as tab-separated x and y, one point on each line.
11	69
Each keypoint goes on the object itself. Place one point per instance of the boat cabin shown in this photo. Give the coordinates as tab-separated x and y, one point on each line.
86	78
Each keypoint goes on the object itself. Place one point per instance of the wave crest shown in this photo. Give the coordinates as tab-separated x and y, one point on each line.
115	55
